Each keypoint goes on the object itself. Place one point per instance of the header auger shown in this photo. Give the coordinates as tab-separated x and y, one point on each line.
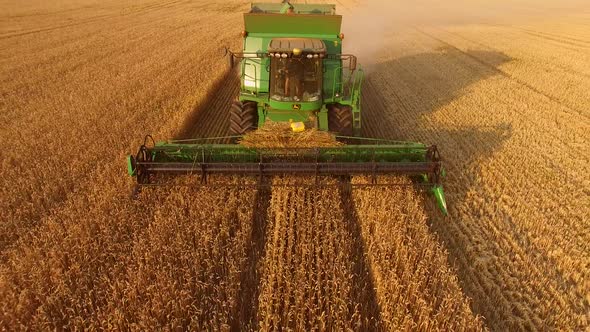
292	70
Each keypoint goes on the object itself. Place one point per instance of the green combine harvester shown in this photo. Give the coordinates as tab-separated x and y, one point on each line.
292	70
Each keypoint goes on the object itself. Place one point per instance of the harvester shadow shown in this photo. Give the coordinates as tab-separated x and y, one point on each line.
405	99
364	288
247	308
210	118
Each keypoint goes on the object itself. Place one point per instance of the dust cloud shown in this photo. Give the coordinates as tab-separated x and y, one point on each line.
369	24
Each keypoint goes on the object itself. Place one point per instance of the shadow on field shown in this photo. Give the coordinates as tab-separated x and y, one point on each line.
364	289
245	319
399	95
211	117
401	99
407	89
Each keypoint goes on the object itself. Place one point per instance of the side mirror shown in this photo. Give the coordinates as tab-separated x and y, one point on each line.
353	63
231	57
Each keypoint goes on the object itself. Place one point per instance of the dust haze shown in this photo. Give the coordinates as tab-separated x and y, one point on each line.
369	24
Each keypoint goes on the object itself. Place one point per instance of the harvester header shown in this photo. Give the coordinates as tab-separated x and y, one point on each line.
155	162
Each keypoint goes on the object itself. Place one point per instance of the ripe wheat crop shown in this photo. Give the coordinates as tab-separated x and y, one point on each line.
414	286
506	105
172	259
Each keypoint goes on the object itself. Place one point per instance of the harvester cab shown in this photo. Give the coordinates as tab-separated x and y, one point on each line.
292	70
292	67
297	76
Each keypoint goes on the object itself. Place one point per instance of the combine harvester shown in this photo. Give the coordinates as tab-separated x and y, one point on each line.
293	70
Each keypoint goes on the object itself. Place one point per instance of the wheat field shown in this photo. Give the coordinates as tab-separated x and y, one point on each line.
501	88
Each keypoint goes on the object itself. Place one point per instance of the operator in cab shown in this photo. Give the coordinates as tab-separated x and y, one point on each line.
294	72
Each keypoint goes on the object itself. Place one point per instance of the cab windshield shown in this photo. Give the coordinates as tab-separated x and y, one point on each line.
296	79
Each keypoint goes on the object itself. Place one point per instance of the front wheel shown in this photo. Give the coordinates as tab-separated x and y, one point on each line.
243	117
340	119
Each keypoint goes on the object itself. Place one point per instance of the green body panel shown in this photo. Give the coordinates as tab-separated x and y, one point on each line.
130	169
301	24
439	195
278	115
254	71
323	119
295	106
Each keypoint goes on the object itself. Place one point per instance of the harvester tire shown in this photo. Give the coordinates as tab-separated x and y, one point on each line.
243	117
340	119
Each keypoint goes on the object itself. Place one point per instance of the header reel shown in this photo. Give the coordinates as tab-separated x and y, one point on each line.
155	162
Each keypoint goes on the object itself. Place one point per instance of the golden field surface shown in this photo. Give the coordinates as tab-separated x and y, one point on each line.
500	87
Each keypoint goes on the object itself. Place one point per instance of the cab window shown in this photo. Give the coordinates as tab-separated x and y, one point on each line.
296	79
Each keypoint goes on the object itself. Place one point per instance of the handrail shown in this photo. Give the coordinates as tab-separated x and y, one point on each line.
257	81
350	81
250	77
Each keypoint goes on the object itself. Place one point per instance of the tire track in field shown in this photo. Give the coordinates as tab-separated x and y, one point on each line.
115	15
546	35
365	288
487	47
562	40
572	109
374	109
53	28
313	274
565	43
247	307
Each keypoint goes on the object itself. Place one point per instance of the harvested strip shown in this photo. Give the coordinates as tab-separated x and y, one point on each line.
310	277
